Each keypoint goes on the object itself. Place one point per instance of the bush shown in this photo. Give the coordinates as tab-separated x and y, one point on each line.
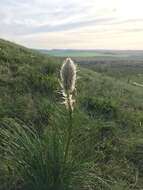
99	107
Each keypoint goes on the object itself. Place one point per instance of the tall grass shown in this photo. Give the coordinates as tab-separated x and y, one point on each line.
36	162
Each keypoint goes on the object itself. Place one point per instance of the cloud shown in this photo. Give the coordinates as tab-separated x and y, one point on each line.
71	25
24	20
46	11
25	17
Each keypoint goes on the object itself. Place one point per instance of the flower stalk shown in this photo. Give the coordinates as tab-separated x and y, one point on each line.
68	80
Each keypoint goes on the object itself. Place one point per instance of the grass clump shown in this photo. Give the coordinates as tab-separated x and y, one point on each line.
36	162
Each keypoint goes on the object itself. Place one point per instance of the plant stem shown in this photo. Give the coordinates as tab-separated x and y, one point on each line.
69	132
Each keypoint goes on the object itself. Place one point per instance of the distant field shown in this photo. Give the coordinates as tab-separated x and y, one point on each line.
115	54
125	65
129	70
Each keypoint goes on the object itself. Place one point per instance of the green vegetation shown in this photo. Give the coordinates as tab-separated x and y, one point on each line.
106	150
129	70
106	54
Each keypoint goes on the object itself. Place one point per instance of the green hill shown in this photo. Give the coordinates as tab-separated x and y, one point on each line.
108	124
26	80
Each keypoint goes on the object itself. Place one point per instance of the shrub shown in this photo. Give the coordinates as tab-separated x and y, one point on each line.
100	107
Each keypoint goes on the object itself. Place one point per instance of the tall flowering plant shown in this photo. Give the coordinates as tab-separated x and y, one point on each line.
68	81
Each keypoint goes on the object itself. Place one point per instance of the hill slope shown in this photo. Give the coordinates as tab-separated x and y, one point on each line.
108	119
26	80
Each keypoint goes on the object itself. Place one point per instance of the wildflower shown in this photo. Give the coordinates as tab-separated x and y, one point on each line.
68	81
68	75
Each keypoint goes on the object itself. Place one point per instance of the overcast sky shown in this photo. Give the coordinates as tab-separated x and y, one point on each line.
79	24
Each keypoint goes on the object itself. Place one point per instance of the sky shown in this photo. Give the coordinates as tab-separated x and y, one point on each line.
73	24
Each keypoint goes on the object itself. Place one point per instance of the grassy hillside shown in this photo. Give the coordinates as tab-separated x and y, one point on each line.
107	144
26	80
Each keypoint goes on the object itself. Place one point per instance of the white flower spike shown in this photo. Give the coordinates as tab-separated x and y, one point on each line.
68	81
